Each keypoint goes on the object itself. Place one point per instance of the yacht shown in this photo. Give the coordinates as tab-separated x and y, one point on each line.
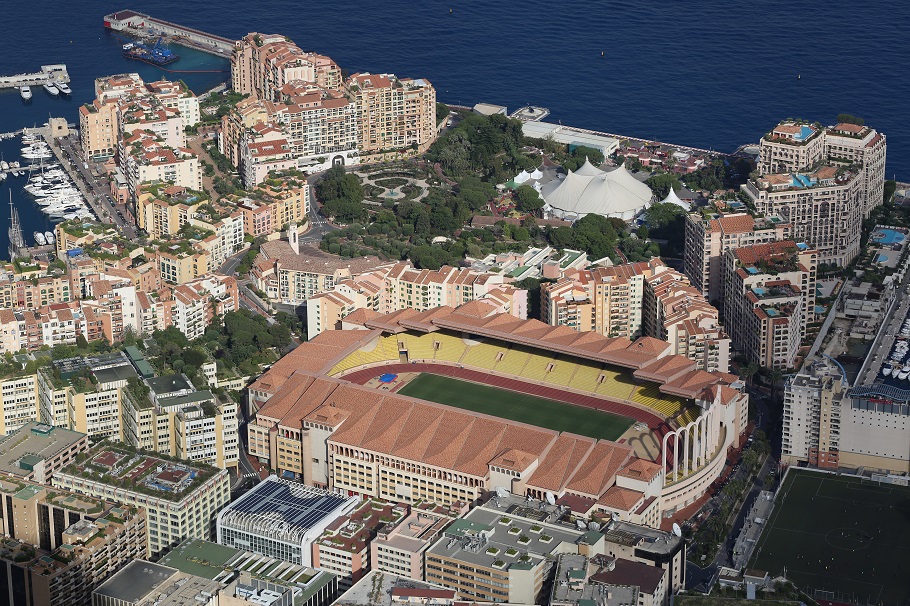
49	236
904	373
25	92
886	370
4	165
63	87
39	238
51	89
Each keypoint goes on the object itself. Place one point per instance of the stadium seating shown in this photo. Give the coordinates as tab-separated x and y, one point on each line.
616	385
562	371
650	396
585	378
512	363
450	348
536	368
688	415
482	355
386	350
419	348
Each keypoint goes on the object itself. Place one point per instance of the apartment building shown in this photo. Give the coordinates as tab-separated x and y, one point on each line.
33	289
227	578
98	129
605	300
793	147
676	312
181	500
305	513
769	300
61	545
824	206
399	286
144	158
262	64
197	302
607	581
19	399
162	209
812	426
710	234
344	546
177	420
502	550
393	114
36	451
400	548
261	154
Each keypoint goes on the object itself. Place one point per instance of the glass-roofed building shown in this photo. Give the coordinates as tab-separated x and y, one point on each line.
281	519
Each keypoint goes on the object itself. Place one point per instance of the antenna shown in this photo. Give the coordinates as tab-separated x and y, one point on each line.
677	530
615	516
551	498
501	492
593	526
580	524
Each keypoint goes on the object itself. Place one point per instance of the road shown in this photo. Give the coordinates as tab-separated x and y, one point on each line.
93	186
319	225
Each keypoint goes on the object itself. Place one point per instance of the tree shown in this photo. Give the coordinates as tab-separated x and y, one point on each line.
661	184
850	119
662	214
527	199
748	371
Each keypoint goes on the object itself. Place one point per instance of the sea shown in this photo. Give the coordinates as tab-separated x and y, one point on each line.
707	73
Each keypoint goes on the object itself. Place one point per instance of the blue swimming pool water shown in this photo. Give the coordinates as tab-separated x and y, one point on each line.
888	236
882	259
804	132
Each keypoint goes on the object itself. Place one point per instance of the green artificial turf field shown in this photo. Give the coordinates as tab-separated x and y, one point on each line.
840	534
516	406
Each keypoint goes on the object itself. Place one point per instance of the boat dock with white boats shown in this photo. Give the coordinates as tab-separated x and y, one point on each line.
55	73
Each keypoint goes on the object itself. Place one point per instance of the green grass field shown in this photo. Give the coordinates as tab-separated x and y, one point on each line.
840	534
516	406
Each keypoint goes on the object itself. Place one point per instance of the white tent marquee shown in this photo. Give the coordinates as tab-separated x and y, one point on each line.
672	198
590	190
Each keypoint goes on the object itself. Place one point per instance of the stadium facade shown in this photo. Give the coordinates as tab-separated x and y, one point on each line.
313	421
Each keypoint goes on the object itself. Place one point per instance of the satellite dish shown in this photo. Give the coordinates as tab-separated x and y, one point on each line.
501	492
551	499
615	517
594	526
580	524
677	530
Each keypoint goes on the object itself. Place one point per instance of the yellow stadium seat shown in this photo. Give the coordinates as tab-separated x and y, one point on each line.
562	372
585	378
688	415
420	348
450	348
650	396
616	385
482	355
513	362
536	368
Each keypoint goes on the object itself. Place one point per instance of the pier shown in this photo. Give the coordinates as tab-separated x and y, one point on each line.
48	73
142	25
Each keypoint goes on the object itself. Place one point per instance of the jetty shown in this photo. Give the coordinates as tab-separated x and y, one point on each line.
143	26
48	74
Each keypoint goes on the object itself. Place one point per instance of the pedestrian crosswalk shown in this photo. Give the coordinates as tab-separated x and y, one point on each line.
252	474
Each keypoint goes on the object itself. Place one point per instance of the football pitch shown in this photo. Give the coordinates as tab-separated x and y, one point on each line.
516	406
840	534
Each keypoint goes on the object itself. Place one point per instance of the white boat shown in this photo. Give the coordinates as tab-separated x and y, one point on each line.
39	238
63	87
886	370
4	165
128	46
25	92
904	373
14	164
14	173
51	89
49	236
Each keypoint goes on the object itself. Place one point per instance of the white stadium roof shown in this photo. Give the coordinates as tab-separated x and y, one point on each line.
590	190
672	198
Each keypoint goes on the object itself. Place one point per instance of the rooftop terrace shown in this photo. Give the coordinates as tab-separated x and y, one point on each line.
32	443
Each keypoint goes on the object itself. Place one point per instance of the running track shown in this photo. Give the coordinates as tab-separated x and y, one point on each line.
657	423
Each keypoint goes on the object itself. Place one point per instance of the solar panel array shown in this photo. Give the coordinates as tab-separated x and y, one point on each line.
300	506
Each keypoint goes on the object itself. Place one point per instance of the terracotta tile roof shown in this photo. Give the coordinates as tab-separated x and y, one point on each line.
736	224
849	128
640	469
623	499
599	469
561	462
690	385
627	572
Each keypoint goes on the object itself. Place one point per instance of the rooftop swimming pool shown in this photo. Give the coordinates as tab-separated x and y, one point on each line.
884	235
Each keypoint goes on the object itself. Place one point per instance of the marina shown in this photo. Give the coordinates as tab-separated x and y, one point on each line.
49	74
142	26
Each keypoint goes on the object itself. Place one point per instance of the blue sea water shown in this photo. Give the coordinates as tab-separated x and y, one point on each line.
708	73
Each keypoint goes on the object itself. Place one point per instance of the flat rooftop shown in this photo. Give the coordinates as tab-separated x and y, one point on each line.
507	532
136	580
572	585
298	506
114	373
169	384
363	593
569	136
31	443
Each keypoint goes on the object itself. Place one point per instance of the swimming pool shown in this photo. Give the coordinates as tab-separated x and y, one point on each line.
882	259
883	235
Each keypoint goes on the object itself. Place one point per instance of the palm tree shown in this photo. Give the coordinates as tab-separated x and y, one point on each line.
749	371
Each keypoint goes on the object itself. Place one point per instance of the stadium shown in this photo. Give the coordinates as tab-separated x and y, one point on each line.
452	403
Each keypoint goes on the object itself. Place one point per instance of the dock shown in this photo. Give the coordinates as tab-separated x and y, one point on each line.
142	25
49	73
